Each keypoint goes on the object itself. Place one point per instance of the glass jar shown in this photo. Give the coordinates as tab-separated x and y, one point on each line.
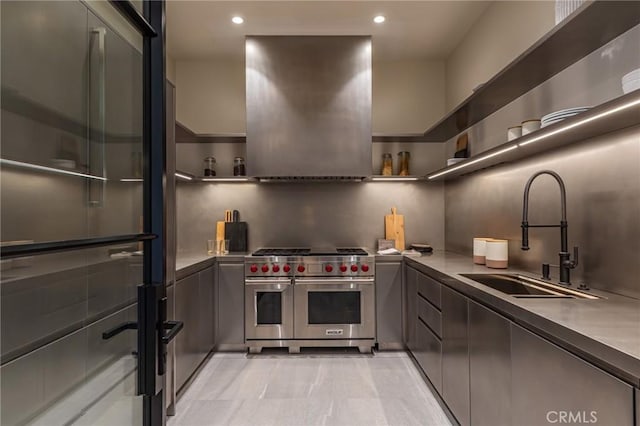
387	164
403	163
238	167
210	166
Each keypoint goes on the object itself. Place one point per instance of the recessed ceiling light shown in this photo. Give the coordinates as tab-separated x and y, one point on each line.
379	19
237	20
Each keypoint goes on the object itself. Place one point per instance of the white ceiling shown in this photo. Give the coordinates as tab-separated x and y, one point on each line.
414	29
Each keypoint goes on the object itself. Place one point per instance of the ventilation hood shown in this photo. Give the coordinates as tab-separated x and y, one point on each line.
308	107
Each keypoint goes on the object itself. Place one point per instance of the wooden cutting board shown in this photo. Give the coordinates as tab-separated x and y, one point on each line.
394	228
219	230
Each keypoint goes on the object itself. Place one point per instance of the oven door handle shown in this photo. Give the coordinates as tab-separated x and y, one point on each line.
253	281
321	281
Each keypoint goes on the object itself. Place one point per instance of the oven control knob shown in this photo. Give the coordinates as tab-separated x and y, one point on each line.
275	268
328	268
343	268
286	268
265	268
254	268
365	268
354	268
300	268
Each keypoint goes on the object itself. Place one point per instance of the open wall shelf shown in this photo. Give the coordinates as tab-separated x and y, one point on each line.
590	27
611	116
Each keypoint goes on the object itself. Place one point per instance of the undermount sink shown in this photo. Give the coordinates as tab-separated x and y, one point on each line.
525	287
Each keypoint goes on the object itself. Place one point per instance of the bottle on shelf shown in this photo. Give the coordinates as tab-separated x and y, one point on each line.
387	164
210	166
239	167
403	163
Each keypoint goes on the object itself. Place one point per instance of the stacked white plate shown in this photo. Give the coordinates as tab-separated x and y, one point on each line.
631	81
558	116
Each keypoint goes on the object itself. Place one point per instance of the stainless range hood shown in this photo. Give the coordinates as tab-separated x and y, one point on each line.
308	107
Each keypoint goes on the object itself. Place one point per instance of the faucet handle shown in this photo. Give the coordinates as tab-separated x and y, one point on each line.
572	263
545	272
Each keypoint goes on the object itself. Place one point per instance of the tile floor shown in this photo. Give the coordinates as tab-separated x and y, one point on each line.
309	389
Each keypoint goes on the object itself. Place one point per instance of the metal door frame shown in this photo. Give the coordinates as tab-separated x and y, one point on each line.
152	294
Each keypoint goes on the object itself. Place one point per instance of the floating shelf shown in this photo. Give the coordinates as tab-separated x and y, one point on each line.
590	27
185	135
611	116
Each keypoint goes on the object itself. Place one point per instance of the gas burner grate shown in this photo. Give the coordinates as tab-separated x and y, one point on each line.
352	251
281	252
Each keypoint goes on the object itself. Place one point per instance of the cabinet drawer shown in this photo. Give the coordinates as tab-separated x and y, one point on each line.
429	289
430	315
428	353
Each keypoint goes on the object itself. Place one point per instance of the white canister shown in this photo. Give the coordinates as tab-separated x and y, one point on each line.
497	254
479	250
514	132
530	126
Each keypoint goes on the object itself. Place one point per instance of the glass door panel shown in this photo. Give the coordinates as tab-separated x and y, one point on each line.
269	307
334	307
62	359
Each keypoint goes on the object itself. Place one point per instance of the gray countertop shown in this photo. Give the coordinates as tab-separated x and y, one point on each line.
188	263
604	331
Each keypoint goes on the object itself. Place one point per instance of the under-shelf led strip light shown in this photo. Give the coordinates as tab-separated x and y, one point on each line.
393	179
183	176
49	169
477	160
226	179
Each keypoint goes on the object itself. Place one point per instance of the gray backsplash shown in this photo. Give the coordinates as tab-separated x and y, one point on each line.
311	214
602	178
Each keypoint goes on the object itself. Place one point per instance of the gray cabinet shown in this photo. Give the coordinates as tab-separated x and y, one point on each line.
423	323
188	346
389	305
637	392
230	333
207	309
428	353
410	309
194	305
549	382
455	354
489	367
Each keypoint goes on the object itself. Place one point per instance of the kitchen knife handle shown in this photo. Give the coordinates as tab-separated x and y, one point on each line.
236	216
227	215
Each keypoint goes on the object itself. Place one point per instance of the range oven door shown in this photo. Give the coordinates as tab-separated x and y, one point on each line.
268	308
334	308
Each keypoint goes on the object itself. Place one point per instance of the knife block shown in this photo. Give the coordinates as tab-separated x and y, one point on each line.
236	233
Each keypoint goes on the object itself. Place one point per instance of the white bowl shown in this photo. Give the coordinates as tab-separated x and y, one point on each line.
630	86
633	75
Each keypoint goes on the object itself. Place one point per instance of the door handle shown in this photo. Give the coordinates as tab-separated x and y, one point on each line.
112	332
96	116
164	339
174	328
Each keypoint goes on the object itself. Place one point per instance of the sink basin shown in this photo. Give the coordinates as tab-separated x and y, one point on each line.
525	287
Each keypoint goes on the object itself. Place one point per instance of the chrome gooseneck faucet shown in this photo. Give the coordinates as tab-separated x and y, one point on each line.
566	264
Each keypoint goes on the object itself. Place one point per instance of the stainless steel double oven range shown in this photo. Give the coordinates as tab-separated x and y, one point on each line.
304	297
